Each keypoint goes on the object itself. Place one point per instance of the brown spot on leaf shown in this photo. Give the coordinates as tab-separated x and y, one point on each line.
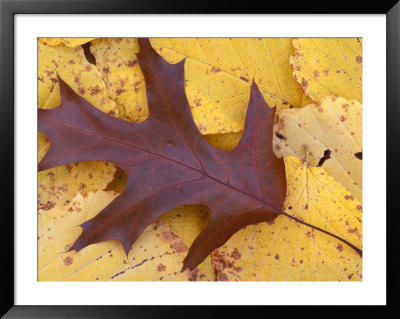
222	277
348	197
342	118
193	274
68	261
304	83
49	73
359	59
236	254
69	168
161	267
350	276
112	113
95	90
196	100
276	257
123	82
132	62
270	222
48	205
120	91
339	247
177	244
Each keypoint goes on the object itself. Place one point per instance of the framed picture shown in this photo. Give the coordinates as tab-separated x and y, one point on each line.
227	162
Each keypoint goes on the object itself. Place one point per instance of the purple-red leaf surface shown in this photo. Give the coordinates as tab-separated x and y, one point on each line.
168	162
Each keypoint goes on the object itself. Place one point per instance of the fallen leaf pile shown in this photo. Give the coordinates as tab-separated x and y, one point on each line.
200	159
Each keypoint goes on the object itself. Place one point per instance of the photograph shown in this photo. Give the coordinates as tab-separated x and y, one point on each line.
200	159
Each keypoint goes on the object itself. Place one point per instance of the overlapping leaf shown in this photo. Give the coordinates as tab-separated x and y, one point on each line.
69	42
284	250
331	133
328	66
156	255
117	63
219	71
187	222
71	65
57	186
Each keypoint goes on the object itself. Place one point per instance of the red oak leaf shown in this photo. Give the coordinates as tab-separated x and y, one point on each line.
168	162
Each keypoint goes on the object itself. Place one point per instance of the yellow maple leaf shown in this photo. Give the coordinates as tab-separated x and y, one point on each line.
332	133
57	186
117	63
219	71
328	66
69	42
71	65
284	250
156	255
226	141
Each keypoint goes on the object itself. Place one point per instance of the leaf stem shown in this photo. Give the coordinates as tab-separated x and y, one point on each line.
358	250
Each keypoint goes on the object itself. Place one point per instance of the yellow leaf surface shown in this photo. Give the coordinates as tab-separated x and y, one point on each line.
225	141
187	222
328	66
57	186
333	128
284	250
156	255
219	71
71	65
117	63
69	42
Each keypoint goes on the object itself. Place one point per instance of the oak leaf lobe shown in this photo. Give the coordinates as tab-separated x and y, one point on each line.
168	162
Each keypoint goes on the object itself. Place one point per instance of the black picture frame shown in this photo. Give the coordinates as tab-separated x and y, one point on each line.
8	10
